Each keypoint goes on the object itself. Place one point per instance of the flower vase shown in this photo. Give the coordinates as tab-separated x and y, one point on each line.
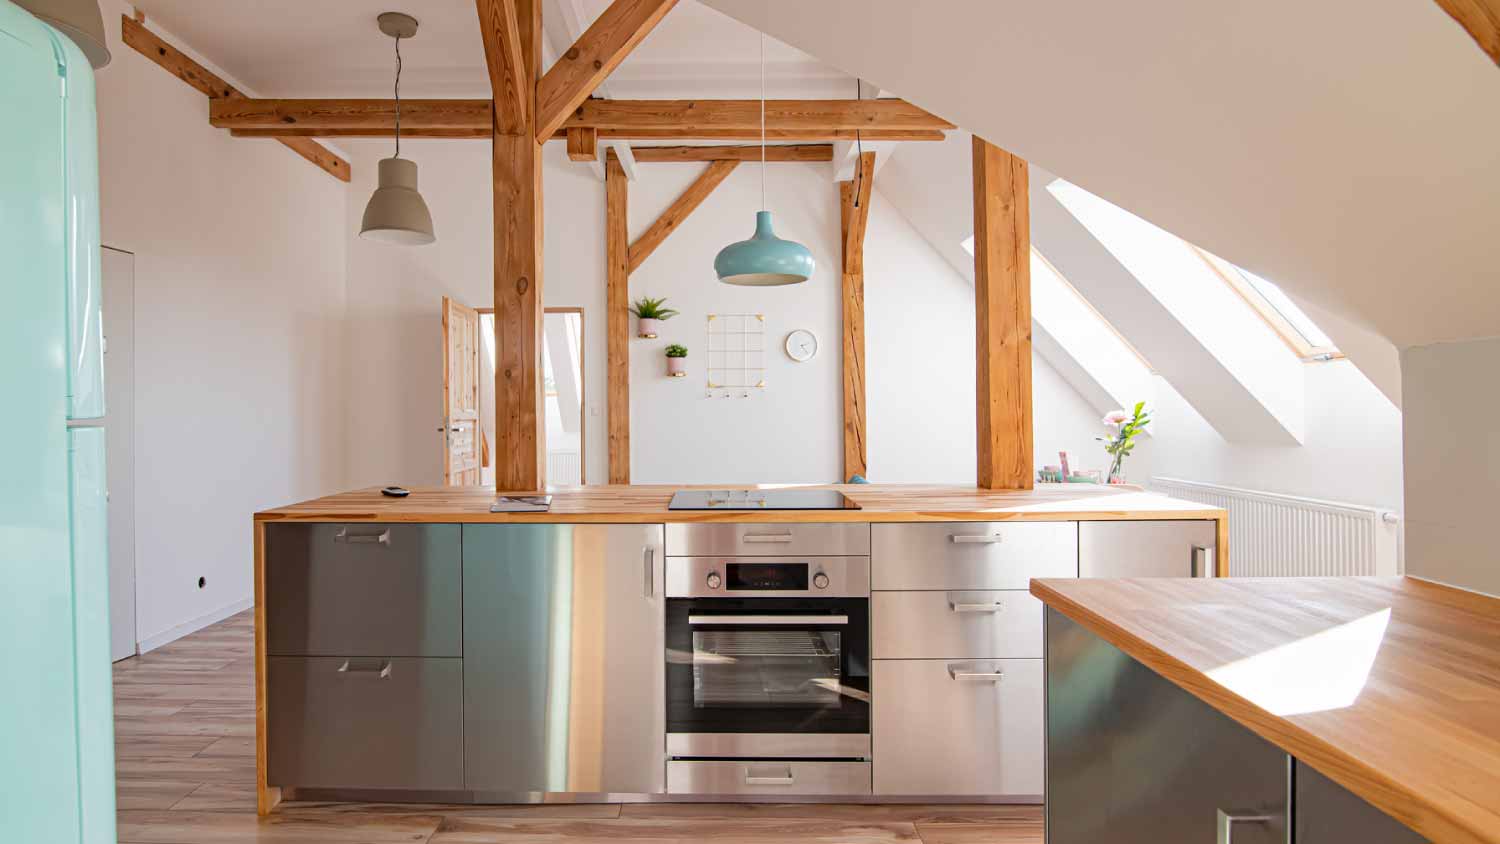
1117	470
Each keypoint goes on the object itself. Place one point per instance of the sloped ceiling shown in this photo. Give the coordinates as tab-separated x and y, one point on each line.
1345	150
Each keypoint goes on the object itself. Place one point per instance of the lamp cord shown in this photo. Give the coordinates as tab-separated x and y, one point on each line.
398	96
763	121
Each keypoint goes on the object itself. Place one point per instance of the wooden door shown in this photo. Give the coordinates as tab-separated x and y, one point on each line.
460	394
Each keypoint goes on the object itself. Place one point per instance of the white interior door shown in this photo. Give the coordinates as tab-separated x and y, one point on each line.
119	406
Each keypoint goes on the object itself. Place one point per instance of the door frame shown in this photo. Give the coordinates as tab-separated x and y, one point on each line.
583	380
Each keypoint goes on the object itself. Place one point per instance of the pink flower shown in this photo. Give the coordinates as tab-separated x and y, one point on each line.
1116	418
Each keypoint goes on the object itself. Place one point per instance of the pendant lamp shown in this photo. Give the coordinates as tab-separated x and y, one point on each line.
80	20
764	260
396	212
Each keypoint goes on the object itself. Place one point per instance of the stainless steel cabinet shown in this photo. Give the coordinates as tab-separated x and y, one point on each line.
1134	759
361	589
958	727
800	778
1167	548
971	555
1327	813
956	624
564	682
367	722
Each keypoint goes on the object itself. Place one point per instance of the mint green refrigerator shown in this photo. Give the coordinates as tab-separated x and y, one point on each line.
56	708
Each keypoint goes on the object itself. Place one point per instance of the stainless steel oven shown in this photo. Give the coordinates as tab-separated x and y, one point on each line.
768	658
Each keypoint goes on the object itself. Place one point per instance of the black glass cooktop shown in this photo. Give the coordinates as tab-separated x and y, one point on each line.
761	499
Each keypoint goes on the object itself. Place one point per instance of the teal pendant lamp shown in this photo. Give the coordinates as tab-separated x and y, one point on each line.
764	260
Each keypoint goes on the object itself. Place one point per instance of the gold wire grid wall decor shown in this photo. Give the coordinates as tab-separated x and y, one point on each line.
736	355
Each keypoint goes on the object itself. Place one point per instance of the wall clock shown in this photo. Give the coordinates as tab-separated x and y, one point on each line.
801	345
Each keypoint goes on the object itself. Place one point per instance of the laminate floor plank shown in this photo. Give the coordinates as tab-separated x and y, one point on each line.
149	747
669	831
862	812
175	827
595	811
1013	831
152	794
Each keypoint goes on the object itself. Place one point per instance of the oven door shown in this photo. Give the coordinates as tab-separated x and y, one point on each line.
768	677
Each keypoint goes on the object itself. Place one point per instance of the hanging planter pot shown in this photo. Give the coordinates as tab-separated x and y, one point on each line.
677	361
649	315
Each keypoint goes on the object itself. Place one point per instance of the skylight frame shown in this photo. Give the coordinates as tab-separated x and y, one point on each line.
1295	340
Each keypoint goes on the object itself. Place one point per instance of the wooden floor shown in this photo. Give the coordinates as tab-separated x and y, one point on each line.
185	745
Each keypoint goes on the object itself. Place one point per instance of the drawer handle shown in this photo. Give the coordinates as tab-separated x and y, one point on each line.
962	676
976	538
766	537
650	560
751	778
366	668
961	606
1200	565
1227	820
383	538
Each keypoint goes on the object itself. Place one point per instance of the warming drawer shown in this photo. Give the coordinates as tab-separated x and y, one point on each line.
796	778
956	625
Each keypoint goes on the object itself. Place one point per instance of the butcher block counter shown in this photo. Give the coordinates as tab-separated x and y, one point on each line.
1387	687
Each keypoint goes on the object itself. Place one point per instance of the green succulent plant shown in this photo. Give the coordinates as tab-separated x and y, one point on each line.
676	351
648	308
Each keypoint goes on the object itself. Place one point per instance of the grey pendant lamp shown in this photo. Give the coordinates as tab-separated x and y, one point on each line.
396	212
80	20
764	260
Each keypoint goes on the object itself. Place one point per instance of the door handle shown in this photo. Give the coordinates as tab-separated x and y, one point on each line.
380	669
751	778
383	538
1228	819
976	539
1199	565
650	558
958	673
766	537
957	605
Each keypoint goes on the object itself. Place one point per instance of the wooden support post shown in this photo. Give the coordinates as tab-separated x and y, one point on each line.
583	144
854	212
617	319
1002	318
679	210
520	432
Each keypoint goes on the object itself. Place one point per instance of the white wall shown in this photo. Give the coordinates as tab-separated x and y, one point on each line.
239	298
1452	462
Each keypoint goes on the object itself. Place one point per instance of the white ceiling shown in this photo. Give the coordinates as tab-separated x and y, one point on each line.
297	48
1344	149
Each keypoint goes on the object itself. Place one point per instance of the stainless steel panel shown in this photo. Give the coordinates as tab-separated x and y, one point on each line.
363	590
1327	813
956	625
689	577
958	727
770	745
365	722
765	539
1173	548
971	555
767	777
1134	759
564	677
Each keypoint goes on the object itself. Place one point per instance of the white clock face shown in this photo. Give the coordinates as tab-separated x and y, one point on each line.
801	345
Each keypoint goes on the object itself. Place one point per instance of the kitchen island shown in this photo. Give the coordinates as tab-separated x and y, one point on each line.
1345	709
612	648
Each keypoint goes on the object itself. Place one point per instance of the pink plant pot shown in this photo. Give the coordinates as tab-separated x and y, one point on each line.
677	367
648	328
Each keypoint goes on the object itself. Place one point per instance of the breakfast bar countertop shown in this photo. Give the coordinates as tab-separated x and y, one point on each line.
648	504
1388	686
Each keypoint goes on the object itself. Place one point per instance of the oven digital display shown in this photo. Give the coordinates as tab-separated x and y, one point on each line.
789	577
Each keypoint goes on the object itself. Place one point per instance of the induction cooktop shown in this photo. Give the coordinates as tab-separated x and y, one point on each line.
761	499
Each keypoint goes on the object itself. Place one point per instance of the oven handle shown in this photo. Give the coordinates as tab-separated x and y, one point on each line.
724	620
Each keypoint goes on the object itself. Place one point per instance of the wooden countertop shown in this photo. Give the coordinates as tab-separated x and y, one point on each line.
647	504
1389	686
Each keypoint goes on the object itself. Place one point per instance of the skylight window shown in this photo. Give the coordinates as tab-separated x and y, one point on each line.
1294	326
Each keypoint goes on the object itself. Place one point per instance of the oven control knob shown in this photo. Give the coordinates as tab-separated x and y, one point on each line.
820	580
714	580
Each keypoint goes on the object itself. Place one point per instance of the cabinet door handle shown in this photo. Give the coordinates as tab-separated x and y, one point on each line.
650	560
380	669
958	673
1200	565
383	538
751	778
766	537
957	605
976	539
1228	819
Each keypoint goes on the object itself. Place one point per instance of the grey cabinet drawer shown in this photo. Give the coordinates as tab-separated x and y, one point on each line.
958	727
956	625
971	555
768	540
365	722
364	590
775	778
1167	548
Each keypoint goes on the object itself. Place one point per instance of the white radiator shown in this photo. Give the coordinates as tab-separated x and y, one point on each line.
563	468
1273	535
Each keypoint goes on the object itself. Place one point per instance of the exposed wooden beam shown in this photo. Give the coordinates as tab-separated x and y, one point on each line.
854	212
583	144
144	41
745	115
1002	318
794	152
1481	18
689	133
617	319
678	211
593	57
510	83
375	117
520	432
474	134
